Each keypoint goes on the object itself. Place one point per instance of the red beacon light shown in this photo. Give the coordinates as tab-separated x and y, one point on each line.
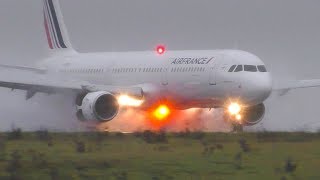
161	49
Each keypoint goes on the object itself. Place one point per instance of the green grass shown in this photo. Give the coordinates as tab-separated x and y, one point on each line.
182	156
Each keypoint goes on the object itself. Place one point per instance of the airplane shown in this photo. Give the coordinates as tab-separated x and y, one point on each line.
159	80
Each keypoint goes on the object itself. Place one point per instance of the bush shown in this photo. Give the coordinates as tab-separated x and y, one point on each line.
244	145
100	136
120	175
119	134
15	134
208	151
154	137
54	173
219	146
290	166
183	134
14	163
238	160
198	135
39	160
43	135
80	147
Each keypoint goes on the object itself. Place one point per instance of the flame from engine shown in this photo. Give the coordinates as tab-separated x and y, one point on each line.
161	112
125	100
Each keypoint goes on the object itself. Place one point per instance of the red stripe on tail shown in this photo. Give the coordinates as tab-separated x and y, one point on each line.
47	32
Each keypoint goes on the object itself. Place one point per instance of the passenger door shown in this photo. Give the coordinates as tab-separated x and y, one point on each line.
213	72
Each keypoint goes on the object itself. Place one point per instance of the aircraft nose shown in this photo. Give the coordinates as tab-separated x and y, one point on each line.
263	87
258	89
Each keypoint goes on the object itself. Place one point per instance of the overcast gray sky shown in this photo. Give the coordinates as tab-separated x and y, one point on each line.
284	34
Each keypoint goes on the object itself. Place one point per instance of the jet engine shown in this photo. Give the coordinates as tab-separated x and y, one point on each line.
253	115
245	116
99	106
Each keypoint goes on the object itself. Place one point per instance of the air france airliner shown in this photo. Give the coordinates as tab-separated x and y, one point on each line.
234	80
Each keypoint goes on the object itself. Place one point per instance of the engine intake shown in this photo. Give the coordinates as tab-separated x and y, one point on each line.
98	106
253	115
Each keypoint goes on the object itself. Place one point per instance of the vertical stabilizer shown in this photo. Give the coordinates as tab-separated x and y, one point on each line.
55	29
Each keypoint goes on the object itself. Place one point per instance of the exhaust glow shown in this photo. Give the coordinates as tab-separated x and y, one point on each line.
125	100
162	112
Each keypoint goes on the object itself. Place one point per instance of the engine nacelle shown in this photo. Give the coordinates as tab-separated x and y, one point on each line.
98	106
253	115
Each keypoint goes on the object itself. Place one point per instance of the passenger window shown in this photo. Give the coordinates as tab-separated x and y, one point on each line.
239	68
262	68
232	68
250	68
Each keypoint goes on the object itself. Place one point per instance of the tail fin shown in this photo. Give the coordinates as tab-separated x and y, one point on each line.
55	29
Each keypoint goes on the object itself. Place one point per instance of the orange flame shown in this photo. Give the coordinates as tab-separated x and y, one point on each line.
162	112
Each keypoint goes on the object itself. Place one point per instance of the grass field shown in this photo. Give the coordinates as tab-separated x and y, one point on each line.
43	155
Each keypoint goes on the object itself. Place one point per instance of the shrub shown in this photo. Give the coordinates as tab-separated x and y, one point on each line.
238	160
198	135
219	146
54	174
244	145
50	143
184	134
290	166
15	134
208	150
80	147
39	160
43	135
14	163
154	137
119	134
2	148
120	175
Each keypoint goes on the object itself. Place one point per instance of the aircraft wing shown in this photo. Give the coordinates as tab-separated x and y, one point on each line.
46	85
284	88
24	68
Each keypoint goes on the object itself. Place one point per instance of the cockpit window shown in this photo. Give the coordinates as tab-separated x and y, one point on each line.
239	68
250	68
262	68
232	68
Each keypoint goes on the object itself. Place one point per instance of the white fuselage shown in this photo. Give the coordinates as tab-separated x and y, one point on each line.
185	78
